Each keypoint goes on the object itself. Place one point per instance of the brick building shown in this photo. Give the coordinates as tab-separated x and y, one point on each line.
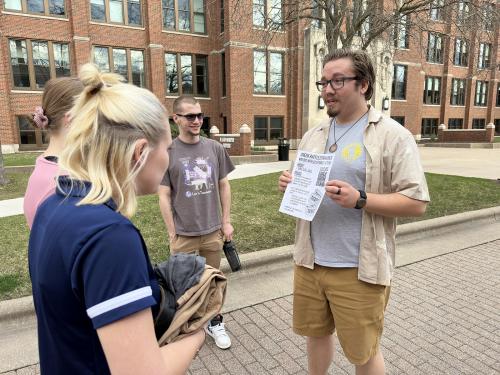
426	78
240	75
170	47
441	77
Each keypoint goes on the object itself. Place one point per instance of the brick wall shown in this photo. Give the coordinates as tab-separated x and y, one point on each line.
467	135
238	41
413	108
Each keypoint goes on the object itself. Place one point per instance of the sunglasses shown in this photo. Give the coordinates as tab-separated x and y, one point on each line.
192	116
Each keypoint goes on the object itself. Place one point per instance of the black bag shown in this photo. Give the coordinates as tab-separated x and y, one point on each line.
232	256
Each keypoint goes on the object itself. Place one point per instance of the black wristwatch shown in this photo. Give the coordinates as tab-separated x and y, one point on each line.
361	201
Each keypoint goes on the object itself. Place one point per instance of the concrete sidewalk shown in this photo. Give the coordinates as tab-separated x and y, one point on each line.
441	319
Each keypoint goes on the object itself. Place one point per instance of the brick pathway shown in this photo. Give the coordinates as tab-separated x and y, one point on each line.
442	319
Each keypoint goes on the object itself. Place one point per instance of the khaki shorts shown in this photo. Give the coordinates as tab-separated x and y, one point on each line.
208	246
326	299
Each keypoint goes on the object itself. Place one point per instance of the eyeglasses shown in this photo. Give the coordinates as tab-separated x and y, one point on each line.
192	116
335	83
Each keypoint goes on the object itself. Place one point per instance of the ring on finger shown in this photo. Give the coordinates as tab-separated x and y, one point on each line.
339	191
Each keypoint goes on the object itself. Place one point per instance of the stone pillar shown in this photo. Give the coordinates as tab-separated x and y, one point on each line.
214	130
82	47
245	139
157	70
441	129
490	132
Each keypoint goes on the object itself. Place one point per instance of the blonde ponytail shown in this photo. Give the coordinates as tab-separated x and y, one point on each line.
108	118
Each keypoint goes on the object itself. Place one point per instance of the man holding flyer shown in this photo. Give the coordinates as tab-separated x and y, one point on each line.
345	254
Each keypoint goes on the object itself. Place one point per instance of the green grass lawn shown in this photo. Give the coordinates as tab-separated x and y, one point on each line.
257	222
496	140
16	186
20	158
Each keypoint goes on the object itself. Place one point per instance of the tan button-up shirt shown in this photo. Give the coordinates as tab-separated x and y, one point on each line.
392	166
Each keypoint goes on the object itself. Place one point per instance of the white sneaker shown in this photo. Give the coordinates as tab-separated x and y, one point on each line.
219	334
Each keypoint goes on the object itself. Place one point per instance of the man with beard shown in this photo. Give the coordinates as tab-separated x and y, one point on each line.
195	196
344	257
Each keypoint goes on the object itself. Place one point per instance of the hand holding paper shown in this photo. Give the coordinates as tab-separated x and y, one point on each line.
304	193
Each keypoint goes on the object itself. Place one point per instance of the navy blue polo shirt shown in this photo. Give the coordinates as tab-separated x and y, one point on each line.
89	267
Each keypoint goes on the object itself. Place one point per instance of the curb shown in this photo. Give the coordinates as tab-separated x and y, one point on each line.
16	308
407	232
19	168
22	307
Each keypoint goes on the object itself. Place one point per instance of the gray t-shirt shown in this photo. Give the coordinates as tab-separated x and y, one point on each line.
336	231
193	175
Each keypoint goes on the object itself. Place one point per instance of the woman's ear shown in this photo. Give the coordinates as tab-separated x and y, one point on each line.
66	119
140	147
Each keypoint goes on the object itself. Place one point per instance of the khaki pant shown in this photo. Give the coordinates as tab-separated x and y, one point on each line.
327	299
208	246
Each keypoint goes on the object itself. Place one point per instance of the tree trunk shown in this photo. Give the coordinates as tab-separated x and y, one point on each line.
3	178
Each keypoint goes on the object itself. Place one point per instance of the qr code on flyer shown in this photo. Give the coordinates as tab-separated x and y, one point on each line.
322	176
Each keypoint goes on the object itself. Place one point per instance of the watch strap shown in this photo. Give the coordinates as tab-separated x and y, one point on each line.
361	201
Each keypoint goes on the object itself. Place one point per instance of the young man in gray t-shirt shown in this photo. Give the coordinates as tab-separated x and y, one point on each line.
195	196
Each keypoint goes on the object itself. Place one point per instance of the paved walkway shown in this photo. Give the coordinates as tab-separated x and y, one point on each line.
442	319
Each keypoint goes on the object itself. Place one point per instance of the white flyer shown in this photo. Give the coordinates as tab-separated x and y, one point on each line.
305	193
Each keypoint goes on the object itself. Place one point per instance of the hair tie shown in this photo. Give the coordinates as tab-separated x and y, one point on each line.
96	89
41	121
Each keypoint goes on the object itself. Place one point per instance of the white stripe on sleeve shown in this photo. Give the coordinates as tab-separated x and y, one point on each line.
119	301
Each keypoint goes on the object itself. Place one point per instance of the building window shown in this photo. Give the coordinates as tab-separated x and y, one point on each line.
224	125
268	129
461	55
126	12
481	93
455	123
268	73
399	119
186	74
497	126
483	60
436	11
399	82
316	14
457	92
268	14
498	94
223	72
432	90
435	48
463	11
34	62
184	15
429	127
205	127
128	63
40	7
478	123
489	16
221	16
30	137
401	36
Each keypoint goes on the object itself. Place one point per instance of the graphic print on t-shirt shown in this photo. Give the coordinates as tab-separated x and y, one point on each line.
197	176
352	152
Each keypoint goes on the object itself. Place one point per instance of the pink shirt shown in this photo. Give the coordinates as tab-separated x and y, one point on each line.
41	184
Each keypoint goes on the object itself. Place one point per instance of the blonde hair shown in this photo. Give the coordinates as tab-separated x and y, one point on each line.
108	119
